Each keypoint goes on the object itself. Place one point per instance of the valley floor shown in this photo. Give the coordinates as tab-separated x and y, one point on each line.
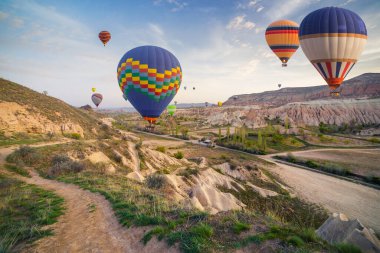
337	195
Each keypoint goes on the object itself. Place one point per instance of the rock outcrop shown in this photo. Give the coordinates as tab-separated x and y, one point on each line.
363	86
340	229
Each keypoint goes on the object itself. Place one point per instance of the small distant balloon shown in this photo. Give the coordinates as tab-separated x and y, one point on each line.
220	104
125	97
175	102
104	37
279	85
171	109
93	89
45	92
97	98
206	104
193	88
185	88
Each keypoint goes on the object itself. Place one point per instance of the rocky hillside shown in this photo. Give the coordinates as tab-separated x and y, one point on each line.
363	86
23	110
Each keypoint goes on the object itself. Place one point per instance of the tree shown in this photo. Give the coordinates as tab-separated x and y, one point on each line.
264	143
228	133
220	134
184	132
259	139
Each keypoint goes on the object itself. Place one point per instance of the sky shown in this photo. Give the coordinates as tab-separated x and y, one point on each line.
54	45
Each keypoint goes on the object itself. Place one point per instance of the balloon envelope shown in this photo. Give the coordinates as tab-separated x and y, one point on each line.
332	39
282	38
171	109
104	37
150	77
97	98
93	89
220	104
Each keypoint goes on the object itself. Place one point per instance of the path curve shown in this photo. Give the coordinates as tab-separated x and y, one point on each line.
88	224
337	195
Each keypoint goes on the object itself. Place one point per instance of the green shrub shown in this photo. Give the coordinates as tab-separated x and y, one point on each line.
188	172
311	164
24	155
155	181
308	235
63	164
161	149
239	227
75	136
374	140
178	155
347	248
197	240
296	241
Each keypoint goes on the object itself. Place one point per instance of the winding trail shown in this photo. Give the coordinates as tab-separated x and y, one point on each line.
88	224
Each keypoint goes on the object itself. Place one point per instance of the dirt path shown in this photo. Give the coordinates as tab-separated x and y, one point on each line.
337	195
88	224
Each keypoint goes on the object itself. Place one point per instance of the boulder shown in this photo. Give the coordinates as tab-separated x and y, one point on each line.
340	229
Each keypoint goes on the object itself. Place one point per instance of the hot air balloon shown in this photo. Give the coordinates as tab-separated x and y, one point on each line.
206	104
97	98
185	88
193	88
175	102
93	89
220	104
171	109
104	36
332	39
150	77
279	85
282	38
125	97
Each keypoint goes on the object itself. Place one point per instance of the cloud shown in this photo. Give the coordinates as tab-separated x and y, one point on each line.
260	9
3	15
286	9
347	2
156	29
240	23
17	22
177	5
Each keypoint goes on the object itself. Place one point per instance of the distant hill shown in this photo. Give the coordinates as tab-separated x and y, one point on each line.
363	86
25	110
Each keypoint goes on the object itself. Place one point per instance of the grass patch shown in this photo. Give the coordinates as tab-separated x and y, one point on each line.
18	170
178	155
188	172
161	149
347	248
196	240
24	210
24	155
240	227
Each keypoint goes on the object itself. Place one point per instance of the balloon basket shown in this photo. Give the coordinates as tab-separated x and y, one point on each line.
284	65
335	94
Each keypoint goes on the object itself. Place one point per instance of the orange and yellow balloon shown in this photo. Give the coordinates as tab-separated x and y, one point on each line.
220	104
282	38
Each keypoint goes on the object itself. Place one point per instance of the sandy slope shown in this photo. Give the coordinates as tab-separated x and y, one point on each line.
83	230
337	195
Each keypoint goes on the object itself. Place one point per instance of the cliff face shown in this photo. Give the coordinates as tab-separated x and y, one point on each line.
363	86
358	111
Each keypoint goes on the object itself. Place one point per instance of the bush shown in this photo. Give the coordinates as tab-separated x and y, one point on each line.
178	155
75	136
161	149
291	158
374	140
197	240
311	164
155	181
347	248
296	241
63	164
188	172
240	227
24	155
